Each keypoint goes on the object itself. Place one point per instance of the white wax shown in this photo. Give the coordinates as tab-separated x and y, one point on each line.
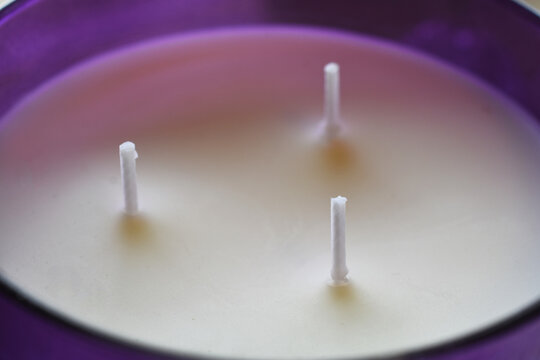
229	255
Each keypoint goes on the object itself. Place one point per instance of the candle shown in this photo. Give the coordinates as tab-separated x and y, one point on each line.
229	254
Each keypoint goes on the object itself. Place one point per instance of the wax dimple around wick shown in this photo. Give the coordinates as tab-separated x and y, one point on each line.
135	229
338	156
343	293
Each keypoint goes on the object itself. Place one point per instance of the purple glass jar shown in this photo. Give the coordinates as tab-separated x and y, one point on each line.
497	40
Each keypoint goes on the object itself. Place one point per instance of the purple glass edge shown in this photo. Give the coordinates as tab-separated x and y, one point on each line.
422	353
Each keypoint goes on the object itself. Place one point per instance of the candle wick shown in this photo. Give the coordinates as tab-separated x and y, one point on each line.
128	155
339	269
331	101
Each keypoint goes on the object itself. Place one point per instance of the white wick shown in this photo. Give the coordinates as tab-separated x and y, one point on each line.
337	228
331	100
129	176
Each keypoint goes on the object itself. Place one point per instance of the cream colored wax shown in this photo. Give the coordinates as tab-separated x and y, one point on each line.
231	254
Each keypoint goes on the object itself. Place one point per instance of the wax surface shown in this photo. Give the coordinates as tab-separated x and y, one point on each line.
231	255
